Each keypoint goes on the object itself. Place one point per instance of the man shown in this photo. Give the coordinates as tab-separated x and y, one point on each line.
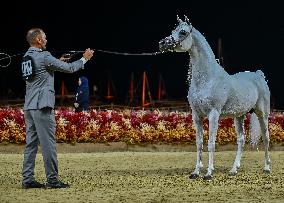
82	95
38	68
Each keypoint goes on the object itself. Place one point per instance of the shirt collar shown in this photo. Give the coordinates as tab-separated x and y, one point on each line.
34	49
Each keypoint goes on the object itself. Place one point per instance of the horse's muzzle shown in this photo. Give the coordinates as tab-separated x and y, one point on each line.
167	44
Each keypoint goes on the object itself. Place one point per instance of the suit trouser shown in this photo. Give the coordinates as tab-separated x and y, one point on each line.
40	129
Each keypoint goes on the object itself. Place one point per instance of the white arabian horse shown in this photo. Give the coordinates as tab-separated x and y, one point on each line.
213	93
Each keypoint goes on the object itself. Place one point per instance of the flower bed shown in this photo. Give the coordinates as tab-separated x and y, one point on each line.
128	126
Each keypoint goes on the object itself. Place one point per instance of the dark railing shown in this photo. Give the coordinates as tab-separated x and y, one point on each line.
67	101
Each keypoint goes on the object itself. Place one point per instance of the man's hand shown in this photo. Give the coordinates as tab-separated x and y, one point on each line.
88	54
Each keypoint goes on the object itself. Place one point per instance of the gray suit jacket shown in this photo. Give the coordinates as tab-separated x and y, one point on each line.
40	90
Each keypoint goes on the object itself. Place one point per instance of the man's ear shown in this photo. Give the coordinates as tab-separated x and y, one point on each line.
38	39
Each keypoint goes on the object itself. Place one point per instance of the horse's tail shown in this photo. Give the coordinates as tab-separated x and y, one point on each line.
260	73
254	130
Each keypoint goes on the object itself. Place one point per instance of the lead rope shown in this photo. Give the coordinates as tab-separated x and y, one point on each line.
121	53
9	57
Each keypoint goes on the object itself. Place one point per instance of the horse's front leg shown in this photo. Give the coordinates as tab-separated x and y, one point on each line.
213	127
198	122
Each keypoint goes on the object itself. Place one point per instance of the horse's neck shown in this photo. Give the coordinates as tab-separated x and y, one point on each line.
202	58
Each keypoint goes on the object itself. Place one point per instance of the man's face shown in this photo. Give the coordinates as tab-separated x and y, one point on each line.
42	40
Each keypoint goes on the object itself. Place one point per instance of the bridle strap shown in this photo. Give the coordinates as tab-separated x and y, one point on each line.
183	38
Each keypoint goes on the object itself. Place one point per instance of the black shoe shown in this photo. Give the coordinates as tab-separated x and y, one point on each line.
33	184
58	184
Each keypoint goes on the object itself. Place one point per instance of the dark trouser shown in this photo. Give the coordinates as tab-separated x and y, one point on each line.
40	128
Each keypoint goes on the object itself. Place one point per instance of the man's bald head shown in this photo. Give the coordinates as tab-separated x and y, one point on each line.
33	34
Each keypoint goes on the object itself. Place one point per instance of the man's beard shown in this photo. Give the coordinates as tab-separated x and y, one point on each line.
43	47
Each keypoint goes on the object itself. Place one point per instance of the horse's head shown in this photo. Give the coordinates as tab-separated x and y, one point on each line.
180	40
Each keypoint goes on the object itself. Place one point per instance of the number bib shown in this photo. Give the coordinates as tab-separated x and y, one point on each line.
28	68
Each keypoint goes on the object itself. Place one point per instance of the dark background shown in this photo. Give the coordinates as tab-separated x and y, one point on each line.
251	33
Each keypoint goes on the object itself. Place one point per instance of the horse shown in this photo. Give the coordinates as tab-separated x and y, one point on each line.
215	94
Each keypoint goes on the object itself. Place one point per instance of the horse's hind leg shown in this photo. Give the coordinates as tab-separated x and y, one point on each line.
198	122
239	127
263	121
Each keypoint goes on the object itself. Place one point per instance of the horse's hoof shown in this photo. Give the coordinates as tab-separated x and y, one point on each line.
193	176
232	173
266	171
208	177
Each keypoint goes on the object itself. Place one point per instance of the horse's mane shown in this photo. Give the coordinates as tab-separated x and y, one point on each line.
202	44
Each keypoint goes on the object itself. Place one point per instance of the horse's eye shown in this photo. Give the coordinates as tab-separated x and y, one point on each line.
183	32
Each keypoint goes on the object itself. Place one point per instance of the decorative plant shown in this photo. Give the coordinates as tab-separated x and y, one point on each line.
141	126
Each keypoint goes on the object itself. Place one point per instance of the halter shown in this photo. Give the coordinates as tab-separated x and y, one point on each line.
181	39
172	43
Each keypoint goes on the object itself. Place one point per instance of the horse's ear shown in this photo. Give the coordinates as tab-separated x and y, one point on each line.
186	20
179	20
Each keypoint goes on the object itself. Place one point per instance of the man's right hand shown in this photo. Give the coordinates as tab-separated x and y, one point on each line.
88	54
